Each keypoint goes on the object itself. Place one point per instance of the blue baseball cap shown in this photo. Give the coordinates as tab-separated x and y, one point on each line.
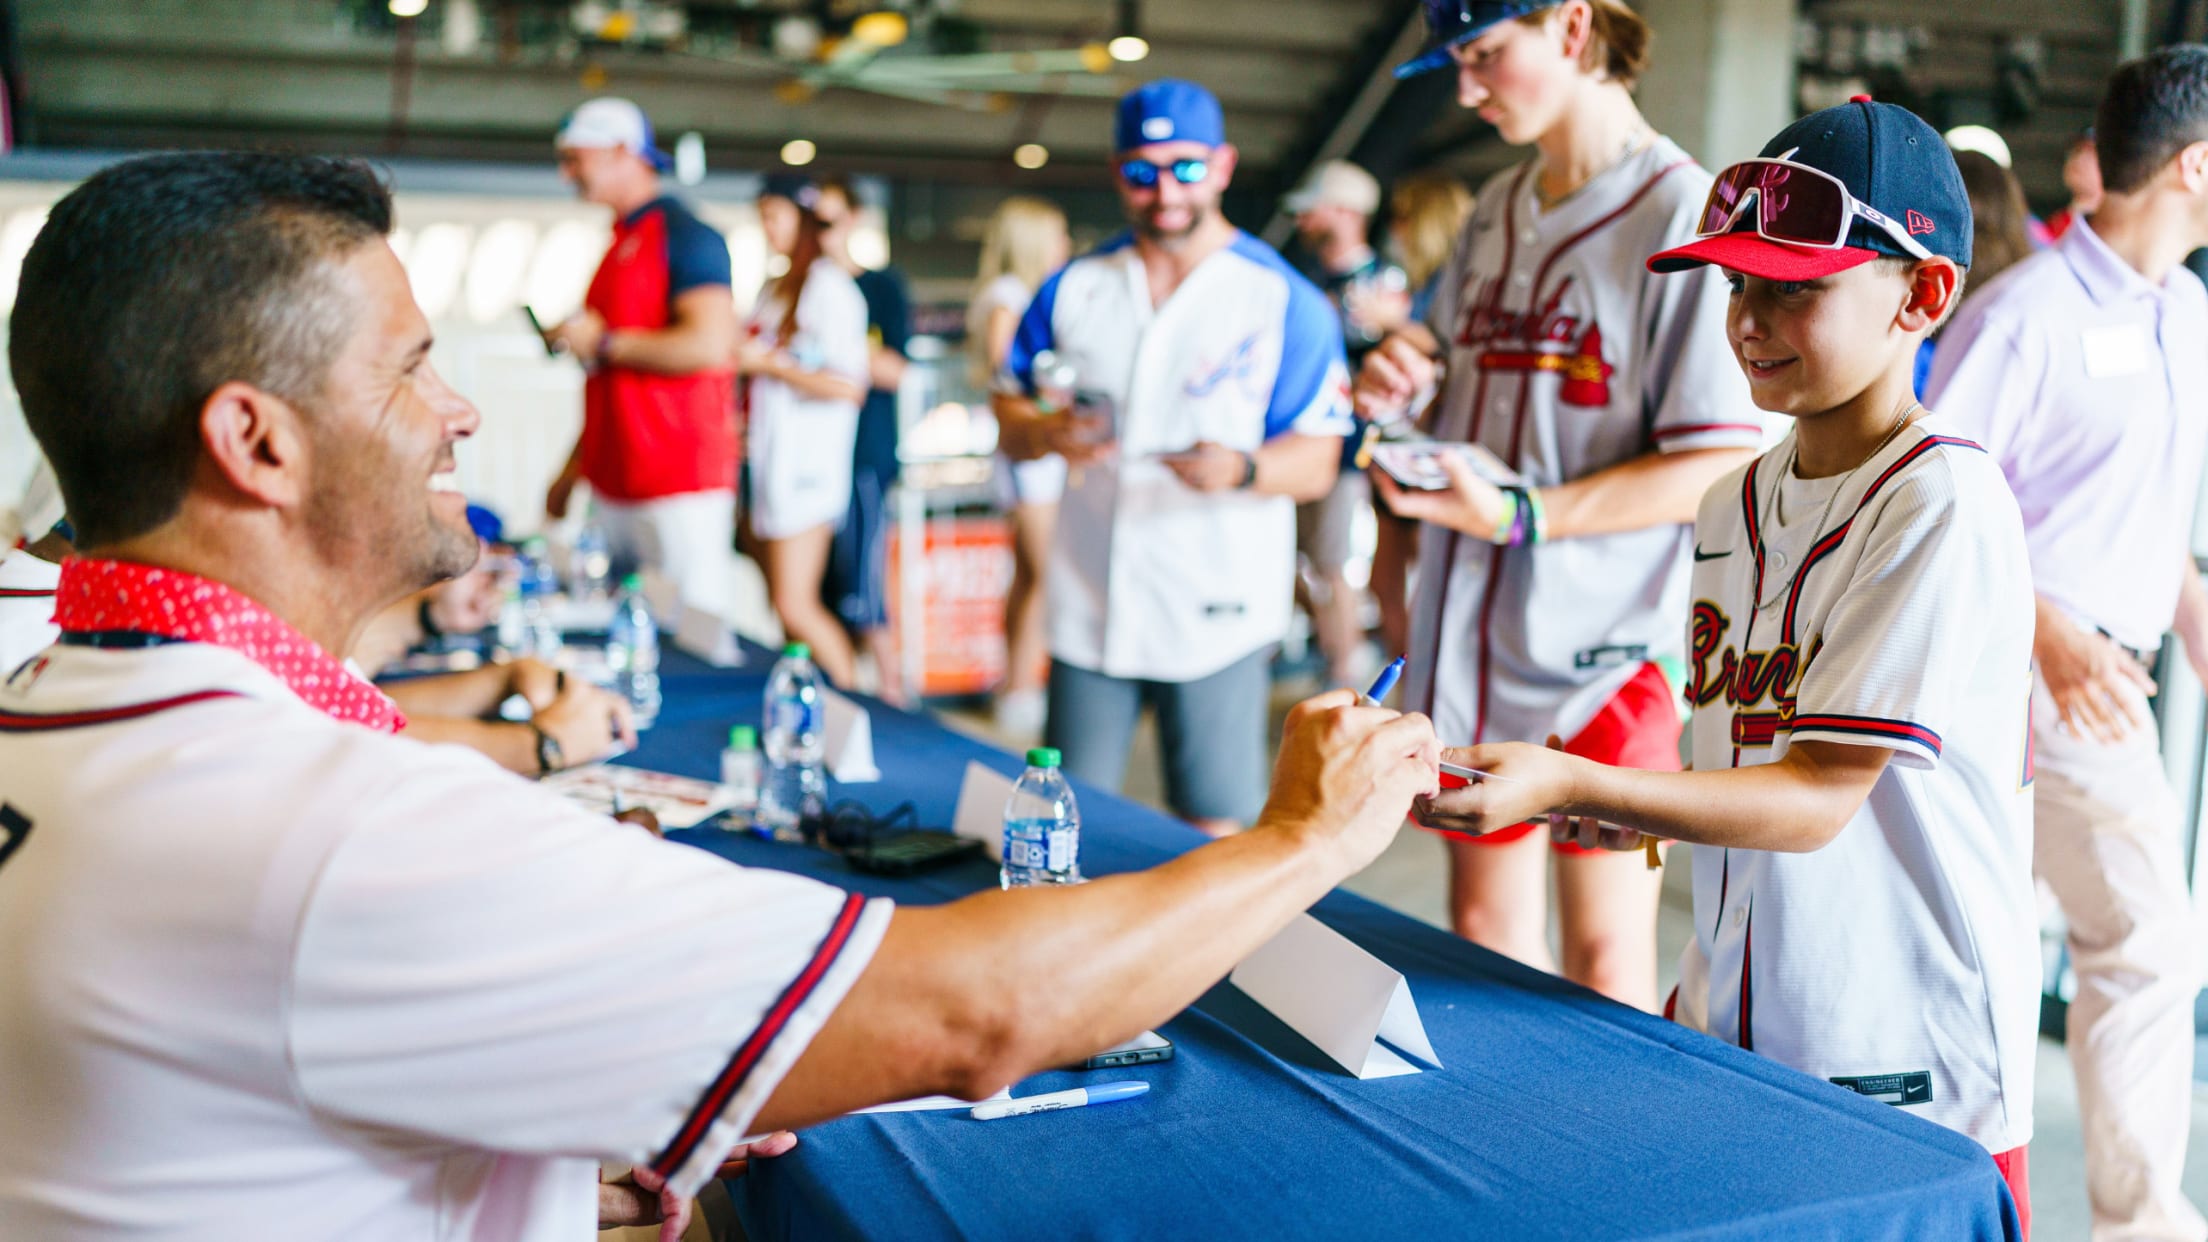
1450	22
796	187
1168	110
1889	160
485	523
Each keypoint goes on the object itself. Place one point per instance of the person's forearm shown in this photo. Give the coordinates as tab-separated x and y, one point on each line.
964	998
815	385
2191	621
680	349
1654	489
1792	806
1299	467
471	694
1020	434
885	368
509	745
387	636
2051	627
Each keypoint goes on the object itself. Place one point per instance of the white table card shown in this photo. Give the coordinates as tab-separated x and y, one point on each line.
1341	998
849	739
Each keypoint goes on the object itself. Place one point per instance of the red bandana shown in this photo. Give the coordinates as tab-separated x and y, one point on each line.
96	596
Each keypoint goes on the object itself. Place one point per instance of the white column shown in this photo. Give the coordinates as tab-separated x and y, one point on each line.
1722	76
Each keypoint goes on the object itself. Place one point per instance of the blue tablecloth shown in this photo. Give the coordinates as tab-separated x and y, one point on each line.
1558	1115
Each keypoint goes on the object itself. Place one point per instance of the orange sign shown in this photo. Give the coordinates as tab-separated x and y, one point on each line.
965	570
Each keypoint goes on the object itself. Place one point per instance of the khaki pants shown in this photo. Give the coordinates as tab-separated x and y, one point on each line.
2107	839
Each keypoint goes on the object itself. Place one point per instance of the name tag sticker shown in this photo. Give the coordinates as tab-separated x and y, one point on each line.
2120	349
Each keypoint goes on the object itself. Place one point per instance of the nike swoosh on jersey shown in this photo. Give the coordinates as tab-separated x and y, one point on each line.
1700	555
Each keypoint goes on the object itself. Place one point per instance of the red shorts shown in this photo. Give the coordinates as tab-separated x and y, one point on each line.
2015	1170
1637	728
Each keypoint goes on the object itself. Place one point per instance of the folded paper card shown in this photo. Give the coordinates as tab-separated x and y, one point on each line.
849	740
663	597
709	637
1341	998
981	799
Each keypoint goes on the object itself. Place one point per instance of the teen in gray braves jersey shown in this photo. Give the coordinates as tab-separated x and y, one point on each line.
1553	612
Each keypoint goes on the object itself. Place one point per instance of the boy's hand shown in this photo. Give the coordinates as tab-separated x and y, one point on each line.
1535	781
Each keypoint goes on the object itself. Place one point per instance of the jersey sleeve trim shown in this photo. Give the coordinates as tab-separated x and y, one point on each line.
1900	734
1682	436
723	1088
1037	331
33	722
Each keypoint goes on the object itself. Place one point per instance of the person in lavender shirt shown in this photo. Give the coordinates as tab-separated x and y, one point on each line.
2084	371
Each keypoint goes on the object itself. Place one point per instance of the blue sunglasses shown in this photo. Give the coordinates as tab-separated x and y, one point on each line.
1142	174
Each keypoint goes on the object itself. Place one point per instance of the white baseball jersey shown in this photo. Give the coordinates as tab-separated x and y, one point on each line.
1565	357
26	607
268	974
799	448
1149	578
1901	960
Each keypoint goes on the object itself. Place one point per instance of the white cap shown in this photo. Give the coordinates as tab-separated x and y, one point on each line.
1336	183
611	122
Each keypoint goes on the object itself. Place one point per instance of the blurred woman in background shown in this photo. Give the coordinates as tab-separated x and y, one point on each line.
802	364
1426	213
1027	241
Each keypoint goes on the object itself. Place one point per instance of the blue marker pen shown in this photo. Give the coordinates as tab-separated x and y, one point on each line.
1384	684
1079	1097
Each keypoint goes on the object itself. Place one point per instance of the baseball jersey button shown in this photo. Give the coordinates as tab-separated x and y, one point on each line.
1528	237
1521	280
1740	915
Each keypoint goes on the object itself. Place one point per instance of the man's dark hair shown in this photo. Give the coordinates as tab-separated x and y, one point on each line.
2155	107
161	279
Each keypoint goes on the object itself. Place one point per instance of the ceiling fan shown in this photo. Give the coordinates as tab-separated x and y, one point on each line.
824	46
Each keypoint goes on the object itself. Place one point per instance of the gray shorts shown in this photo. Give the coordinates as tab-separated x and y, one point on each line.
1323	525
1211	732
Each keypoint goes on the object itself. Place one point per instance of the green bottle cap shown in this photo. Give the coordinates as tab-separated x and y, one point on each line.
633	582
1044	757
802	651
743	737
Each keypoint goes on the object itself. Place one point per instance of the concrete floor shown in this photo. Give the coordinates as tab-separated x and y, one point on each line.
1412	877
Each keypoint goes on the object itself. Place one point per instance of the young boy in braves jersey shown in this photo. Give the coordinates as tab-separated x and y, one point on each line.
1860	664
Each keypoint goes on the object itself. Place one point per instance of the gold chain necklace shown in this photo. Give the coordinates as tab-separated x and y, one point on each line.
1794	449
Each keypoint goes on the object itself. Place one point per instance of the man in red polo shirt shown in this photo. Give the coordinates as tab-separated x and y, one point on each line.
656	331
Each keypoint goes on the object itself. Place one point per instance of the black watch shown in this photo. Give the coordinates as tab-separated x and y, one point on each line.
549	756
1249	472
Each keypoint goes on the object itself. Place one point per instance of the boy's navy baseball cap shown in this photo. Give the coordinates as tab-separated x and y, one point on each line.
1889	159
1168	110
1450	22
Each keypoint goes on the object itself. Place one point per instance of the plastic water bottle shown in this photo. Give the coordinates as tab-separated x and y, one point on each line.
795	785
591	563
538	585
740	767
632	652
1042	826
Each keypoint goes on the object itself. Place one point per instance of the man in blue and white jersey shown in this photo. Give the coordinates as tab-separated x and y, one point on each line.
1212	396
